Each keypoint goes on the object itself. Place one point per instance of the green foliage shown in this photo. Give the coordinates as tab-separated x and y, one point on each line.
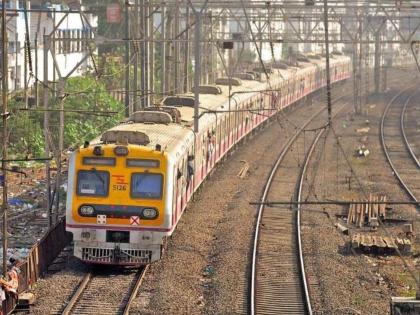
26	136
112	71
83	93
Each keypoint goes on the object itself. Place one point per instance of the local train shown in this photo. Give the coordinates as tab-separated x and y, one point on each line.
128	188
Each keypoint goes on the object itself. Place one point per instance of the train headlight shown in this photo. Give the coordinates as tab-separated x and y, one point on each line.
149	213
121	150
87	210
85	235
88	235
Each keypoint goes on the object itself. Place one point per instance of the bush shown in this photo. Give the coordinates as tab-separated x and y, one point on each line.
94	97
26	136
83	93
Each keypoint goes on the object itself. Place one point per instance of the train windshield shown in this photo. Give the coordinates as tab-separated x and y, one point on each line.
146	185
92	183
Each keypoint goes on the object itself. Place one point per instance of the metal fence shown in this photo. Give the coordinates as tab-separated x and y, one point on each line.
41	255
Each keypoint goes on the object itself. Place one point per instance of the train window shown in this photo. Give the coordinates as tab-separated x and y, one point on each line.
146	185
92	183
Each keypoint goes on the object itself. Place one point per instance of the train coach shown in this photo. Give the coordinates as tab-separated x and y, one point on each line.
128	188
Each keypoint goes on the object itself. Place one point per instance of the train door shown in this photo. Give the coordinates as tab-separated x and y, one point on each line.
261	113
190	172
226	135
211	146
282	96
183	181
252	115
178	188
204	155
230	127
175	196
241	120
302	89
222	135
219	140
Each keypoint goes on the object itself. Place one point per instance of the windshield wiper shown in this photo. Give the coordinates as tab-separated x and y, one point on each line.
95	171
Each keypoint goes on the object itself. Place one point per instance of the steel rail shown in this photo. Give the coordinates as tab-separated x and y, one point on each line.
260	210
407	144
76	296
298	220
261	207
385	149
125	302
133	293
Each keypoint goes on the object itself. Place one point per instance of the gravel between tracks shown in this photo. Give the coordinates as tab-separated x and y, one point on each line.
53	291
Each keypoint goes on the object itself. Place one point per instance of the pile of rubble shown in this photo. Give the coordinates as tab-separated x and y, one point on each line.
361	214
380	244
27	214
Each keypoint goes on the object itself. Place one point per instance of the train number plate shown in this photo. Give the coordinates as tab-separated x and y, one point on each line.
119	187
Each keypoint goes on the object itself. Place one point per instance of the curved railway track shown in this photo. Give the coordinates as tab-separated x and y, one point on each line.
398	150
278	280
409	145
102	293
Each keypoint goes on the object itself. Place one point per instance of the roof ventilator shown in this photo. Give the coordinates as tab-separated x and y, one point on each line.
245	76
179	100
229	81
125	137
148	116
280	65
263	70
302	58
209	89
171	110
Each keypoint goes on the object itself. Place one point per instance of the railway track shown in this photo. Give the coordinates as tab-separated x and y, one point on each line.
398	150
278	280
105	293
411	145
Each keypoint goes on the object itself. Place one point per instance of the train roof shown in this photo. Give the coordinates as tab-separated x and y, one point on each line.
174	137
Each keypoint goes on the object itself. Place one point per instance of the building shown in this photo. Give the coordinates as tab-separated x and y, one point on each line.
68	37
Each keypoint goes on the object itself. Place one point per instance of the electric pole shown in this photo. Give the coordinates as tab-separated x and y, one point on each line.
327	61
136	57
128	110
186	50
163	86
5	77
47	43
197	68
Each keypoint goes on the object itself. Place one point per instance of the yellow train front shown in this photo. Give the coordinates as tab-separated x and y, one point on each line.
115	205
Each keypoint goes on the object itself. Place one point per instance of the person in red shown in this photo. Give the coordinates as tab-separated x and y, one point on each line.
9	285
